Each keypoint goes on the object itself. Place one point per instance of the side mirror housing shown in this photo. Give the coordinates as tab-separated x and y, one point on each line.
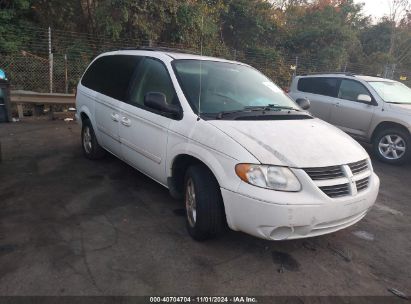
364	98
304	103
158	101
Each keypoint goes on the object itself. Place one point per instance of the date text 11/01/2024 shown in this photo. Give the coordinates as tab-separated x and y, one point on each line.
239	299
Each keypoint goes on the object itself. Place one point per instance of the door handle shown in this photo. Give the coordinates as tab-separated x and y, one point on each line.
126	122
114	116
337	104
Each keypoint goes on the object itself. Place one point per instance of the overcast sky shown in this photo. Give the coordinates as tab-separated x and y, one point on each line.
376	8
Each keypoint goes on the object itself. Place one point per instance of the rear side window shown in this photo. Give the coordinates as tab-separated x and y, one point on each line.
319	85
111	75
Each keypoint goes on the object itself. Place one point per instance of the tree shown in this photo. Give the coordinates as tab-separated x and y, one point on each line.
14	14
248	23
398	8
325	32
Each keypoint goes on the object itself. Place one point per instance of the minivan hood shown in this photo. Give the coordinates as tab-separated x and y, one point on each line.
294	143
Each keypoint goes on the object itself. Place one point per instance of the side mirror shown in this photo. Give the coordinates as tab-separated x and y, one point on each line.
364	98
304	103
158	101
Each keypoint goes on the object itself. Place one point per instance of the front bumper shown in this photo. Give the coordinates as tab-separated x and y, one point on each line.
295	215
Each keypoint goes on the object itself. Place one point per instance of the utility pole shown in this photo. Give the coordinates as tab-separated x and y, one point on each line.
65	72
50	63
296	66
394	66
385	75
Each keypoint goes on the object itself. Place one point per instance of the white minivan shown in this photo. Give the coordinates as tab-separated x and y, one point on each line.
225	139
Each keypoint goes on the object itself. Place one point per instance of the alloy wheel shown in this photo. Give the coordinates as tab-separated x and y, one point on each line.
191	206
392	147
87	143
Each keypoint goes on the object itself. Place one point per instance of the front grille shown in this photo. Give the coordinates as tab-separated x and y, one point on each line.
362	184
325	173
359	167
336	190
340	176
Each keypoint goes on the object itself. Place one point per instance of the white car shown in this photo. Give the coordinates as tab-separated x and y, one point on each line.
227	140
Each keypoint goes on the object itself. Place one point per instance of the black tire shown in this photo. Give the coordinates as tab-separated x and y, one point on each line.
210	216
92	151
390	158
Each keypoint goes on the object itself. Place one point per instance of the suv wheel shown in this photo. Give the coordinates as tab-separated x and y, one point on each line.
204	204
392	146
91	148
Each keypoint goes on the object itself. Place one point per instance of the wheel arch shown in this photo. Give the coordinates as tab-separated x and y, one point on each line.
85	113
84	116
385	125
178	168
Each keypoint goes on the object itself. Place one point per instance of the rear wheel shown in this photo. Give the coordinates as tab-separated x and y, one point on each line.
204	204
393	146
91	148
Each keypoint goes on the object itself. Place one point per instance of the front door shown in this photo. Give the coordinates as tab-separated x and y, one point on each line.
144	131
350	115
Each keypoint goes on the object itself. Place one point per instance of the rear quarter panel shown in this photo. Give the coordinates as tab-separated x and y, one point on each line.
85	104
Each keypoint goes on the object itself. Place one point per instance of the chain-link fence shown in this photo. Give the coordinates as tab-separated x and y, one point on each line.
33	69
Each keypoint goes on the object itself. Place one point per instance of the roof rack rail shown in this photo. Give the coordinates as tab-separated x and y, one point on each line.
327	73
158	49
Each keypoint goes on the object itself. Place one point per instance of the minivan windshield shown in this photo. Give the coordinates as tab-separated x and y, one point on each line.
392	92
228	87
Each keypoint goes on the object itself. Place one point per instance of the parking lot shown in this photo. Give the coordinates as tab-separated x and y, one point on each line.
71	226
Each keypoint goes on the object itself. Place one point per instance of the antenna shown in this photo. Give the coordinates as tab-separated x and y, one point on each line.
201	65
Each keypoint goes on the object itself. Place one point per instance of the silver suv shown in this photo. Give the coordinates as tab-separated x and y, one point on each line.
371	109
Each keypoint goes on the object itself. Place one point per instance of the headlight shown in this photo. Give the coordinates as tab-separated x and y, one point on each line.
269	177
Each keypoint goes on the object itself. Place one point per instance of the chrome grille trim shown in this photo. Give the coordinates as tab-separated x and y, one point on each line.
324	173
362	184
358	167
344	180
337	190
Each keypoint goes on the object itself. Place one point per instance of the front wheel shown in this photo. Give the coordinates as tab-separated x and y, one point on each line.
392	146
204	204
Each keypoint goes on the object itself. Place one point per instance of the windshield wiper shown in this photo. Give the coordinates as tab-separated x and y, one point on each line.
224	113
256	109
271	107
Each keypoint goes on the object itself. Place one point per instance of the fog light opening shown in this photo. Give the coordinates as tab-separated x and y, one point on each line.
281	233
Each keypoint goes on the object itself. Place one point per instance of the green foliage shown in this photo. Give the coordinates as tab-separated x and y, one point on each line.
248	23
13	12
324	34
376	38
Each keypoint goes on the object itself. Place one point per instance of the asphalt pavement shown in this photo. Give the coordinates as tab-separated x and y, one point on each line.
71	226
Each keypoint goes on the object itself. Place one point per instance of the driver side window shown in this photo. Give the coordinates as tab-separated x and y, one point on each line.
350	89
152	77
